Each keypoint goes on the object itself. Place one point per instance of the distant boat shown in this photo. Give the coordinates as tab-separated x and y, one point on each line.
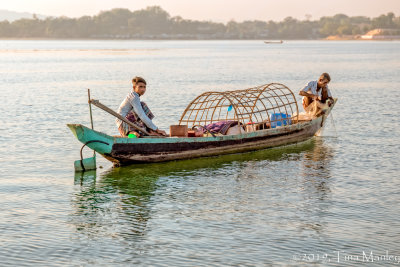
273	42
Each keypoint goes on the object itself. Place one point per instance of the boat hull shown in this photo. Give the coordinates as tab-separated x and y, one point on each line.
158	152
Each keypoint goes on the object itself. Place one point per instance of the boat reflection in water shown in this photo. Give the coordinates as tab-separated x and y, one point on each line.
287	187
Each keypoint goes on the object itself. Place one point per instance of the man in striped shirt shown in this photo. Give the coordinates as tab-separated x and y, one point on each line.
136	111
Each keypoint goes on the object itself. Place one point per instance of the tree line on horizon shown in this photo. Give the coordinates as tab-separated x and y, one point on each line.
155	23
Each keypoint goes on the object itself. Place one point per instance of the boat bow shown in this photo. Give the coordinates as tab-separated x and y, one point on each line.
99	142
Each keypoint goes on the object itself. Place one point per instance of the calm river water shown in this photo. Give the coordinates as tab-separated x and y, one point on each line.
331	201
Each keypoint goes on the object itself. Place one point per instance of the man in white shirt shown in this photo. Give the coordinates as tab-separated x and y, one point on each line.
317	91
136	111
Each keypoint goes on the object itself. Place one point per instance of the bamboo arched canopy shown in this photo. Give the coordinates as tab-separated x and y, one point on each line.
248	106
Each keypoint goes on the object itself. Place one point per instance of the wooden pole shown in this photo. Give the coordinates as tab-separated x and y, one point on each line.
115	114
91	122
90	108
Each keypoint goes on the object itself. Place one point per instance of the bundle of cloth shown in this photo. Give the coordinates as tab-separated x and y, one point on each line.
221	128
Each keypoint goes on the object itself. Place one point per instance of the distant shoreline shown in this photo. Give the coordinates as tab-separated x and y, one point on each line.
154	23
358	38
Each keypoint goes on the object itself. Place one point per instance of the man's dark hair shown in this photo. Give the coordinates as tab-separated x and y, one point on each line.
137	80
326	76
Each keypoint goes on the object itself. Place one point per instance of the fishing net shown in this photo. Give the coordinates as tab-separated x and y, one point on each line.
261	105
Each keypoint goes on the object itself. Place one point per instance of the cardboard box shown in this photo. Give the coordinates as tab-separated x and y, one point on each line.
178	131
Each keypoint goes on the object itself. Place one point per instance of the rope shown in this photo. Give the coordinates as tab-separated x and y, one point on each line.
333	123
88	142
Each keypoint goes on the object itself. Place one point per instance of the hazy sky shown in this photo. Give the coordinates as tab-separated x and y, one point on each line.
215	10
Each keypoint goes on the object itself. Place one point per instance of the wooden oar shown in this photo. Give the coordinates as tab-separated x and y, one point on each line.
115	114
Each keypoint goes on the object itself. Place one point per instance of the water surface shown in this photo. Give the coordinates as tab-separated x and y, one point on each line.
317	202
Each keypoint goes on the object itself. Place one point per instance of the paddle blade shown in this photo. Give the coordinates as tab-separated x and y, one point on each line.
85	164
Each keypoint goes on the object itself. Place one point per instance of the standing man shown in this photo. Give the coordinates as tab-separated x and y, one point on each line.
136	111
317	91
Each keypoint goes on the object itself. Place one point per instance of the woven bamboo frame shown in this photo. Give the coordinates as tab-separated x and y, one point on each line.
249	106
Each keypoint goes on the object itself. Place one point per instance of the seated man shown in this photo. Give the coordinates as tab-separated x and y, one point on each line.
317	91
136	112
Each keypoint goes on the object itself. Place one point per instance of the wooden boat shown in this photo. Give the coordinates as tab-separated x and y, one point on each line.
274	42
255	109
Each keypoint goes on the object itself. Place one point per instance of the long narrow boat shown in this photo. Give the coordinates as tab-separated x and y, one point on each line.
254	109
